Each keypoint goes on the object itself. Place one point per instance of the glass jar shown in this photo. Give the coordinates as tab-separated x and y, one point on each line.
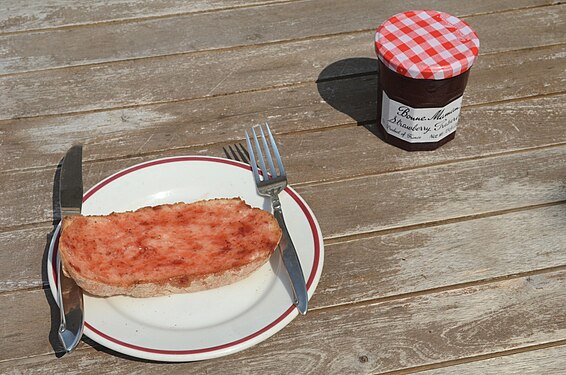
424	62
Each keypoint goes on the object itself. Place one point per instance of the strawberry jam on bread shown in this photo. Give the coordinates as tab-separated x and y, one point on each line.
171	248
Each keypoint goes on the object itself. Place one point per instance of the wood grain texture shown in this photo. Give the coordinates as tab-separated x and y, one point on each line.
414	196
25	256
483	131
550	361
100	43
378	266
545	21
433	194
184	126
436	257
450	261
175	78
31	15
18	16
362	339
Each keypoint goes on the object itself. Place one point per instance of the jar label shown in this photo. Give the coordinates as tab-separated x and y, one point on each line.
419	125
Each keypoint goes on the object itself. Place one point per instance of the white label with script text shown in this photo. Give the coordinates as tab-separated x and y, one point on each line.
418	125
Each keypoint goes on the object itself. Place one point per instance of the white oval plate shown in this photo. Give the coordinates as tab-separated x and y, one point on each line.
212	323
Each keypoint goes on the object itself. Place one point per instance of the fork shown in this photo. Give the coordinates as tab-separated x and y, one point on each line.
238	152
270	184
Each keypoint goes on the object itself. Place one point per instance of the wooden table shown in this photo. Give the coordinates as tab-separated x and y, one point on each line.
451	261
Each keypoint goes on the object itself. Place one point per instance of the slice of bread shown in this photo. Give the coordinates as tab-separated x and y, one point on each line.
171	248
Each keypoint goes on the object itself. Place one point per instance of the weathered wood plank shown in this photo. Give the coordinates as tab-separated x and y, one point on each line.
362	339
38	305
380	266
436	257
483	131
538	22
515	126
18	16
32	15
257	25
46	209
41	142
175	78
25	258
172	78
416	196
549	361
443	192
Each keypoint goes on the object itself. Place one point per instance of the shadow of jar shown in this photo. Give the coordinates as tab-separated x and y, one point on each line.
351	87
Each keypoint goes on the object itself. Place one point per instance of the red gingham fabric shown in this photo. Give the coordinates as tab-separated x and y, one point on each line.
426	44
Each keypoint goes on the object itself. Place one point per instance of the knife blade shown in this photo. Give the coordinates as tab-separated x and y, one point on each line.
70	295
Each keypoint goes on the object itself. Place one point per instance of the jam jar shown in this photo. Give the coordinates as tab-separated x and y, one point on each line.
425	58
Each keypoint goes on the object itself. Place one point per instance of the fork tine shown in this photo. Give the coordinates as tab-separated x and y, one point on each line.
260	156
252	159
231	154
275	151
267	152
228	156
243	153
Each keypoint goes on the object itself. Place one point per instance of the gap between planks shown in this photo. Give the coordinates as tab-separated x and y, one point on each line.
477	358
157	102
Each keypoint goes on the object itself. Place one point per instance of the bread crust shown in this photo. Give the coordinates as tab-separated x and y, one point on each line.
185	282
170	286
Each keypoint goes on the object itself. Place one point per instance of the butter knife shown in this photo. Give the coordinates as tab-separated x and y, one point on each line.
71	304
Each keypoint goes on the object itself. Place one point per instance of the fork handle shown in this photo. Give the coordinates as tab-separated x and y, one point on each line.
291	260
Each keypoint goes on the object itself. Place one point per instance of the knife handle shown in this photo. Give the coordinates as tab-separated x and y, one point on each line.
71	308
291	261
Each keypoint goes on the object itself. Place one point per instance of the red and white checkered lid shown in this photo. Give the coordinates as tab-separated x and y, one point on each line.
426	44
